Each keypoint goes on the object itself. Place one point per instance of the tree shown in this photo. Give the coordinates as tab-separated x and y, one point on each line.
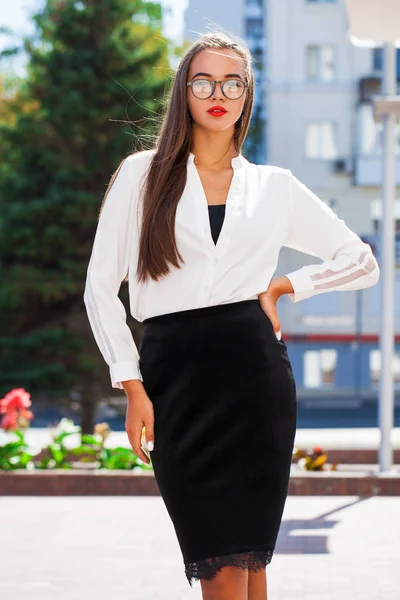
96	74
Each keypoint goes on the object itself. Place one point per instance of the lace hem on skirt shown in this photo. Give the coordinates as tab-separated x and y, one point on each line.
254	560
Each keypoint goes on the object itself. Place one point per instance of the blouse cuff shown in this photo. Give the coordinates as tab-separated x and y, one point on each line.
123	371
302	285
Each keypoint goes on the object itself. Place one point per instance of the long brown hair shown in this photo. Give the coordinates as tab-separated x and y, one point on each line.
167	172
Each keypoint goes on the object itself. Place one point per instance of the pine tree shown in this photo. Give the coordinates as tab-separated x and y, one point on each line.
96	74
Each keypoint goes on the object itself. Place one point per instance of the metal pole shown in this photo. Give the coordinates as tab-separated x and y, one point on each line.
386	391
359	331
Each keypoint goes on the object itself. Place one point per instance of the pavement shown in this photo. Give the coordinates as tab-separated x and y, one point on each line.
124	548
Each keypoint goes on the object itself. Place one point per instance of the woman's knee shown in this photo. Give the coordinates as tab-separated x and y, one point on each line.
228	584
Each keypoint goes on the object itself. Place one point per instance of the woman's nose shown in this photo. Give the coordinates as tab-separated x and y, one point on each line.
218	91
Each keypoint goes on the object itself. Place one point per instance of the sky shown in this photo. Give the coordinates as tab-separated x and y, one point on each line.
15	14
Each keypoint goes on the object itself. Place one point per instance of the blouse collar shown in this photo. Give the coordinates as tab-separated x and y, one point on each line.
237	162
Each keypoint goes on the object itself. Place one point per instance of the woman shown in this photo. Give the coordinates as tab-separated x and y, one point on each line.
199	229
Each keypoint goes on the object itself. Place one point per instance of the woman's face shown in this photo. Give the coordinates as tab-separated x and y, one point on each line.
219	64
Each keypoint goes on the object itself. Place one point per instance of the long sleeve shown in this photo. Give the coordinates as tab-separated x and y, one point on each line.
108	266
349	263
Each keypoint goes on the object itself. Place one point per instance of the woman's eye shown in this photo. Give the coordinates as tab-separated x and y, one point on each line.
234	84
202	85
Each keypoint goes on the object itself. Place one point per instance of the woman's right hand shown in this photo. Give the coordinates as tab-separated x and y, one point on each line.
139	414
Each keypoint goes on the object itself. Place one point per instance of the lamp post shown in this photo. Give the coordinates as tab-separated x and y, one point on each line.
373	23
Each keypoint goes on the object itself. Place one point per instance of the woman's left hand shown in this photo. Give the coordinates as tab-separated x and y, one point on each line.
268	299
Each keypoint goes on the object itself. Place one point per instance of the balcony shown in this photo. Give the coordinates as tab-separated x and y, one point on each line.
368	170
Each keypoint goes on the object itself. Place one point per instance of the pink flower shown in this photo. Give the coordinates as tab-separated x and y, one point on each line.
14	407
17	399
9	421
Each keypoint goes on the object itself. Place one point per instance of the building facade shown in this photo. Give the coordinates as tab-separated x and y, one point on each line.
315	101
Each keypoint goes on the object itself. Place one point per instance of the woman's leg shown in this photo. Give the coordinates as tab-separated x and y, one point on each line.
229	584
257	585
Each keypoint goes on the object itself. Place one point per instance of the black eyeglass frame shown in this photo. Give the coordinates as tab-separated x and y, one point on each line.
214	82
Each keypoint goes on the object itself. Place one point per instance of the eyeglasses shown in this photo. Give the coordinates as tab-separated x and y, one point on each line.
233	89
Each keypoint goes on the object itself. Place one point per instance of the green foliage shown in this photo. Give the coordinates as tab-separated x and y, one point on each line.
13	455
56	455
96	77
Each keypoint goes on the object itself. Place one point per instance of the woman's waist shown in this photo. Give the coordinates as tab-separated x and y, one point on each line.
230	309
209	329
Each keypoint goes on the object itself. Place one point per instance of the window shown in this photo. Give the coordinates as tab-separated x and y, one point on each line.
375	367
376	214
320	63
321	140
377	61
254	28
319	367
371	133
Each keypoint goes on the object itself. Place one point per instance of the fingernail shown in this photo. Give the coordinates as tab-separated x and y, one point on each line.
150	446
279	334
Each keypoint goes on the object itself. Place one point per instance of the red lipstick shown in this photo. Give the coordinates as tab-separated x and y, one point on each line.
217	111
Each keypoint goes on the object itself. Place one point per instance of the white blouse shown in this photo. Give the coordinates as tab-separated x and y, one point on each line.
267	207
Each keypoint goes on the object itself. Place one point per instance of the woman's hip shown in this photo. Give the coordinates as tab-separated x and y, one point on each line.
233	341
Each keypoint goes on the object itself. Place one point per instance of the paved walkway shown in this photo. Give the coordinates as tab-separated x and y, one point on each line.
124	548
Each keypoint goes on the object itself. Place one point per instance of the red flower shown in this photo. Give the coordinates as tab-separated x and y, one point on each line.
17	399
9	421
14	407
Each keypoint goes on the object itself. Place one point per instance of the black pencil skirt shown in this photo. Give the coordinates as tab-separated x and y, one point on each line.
224	399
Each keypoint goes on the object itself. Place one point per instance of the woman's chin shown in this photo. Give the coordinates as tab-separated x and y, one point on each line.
215	124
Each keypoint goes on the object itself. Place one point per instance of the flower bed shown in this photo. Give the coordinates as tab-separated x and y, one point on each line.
91	452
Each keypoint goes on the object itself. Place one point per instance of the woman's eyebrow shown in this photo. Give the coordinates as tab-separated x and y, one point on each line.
227	75
205	74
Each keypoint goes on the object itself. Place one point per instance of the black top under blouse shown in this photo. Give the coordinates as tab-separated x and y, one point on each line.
216	213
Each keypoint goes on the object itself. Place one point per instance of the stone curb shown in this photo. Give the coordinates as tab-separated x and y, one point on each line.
128	483
344	483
